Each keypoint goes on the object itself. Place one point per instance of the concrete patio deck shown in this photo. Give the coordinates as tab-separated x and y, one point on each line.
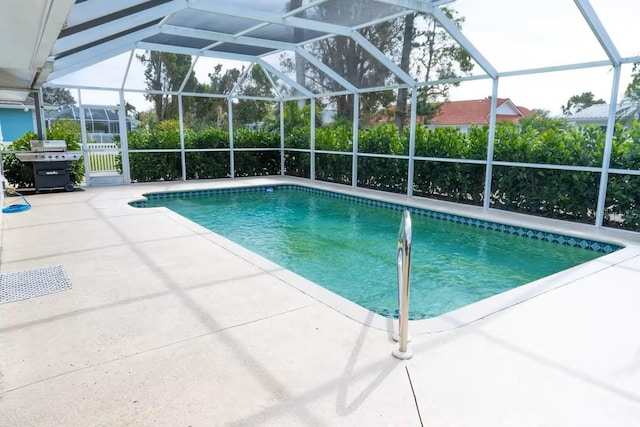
168	324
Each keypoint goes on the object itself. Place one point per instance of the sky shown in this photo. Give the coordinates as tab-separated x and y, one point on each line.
516	35
511	35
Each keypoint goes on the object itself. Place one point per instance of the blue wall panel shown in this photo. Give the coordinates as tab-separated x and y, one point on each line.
15	122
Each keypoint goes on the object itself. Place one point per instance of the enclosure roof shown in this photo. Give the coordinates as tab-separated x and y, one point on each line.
95	114
46	39
28	31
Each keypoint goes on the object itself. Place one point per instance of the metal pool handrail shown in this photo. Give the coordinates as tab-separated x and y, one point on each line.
404	271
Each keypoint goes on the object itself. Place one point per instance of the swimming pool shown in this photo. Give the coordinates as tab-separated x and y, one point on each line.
347	244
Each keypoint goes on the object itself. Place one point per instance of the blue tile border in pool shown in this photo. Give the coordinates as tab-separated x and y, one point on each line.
521	231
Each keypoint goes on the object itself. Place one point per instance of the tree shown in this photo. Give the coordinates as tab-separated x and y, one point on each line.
408	34
298	36
130	109
148	120
437	56
541	112
294	117
579	102
415	41
256	83
204	112
629	110
165	72
57	97
347	58
541	123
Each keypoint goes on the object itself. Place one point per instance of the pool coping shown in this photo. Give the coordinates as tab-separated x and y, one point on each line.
465	315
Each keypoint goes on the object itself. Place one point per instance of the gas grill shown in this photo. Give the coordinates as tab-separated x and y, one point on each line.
50	164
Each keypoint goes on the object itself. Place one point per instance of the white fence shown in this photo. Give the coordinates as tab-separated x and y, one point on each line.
102	157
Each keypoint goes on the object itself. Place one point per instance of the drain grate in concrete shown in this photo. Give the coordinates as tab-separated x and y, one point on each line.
32	283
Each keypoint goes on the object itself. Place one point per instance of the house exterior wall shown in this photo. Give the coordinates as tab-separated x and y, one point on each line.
505	108
15	122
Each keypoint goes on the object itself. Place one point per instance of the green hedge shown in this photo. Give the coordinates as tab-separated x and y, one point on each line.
297	164
382	140
146	167
299	137
567	195
334	168
458	182
208	165
383	174
256	163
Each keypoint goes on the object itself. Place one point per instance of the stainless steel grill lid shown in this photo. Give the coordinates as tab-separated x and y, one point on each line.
48	151
43	146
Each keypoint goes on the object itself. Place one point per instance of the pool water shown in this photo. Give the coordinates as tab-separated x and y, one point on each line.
350	248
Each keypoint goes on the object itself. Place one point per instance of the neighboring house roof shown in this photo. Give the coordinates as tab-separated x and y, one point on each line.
597	112
477	111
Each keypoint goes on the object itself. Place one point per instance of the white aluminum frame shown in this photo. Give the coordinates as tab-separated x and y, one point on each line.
78	58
